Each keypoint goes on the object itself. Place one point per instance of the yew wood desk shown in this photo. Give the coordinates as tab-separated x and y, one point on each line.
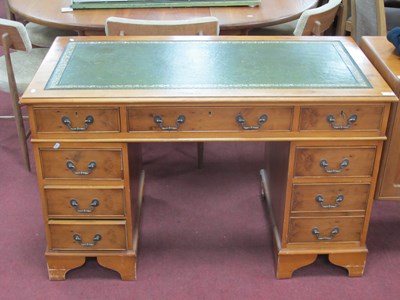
383	56
317	102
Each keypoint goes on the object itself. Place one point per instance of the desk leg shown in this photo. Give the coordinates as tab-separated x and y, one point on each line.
125	265
354	262
287	264
59	264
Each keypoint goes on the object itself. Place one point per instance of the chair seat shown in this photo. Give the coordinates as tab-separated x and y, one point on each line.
25	65
43	36
280	29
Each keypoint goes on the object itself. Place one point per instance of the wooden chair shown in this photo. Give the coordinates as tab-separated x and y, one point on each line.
317	20
343	26
44	36
195	26
314	21
392	16
17	69
368	18
40	35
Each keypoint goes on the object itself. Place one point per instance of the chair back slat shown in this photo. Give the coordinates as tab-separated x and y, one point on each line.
14	36
195	26
315	21
17	33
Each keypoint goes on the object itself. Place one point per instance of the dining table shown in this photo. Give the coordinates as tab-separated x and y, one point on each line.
233	20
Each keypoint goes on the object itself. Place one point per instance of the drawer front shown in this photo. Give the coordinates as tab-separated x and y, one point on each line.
329	197
86	236
332	161
320	230
210	119
85	202
355	118
77	120
81	163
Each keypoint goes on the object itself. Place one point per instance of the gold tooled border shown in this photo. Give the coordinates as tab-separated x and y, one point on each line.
55	78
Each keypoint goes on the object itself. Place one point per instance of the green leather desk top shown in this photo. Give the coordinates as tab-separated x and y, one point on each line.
206	64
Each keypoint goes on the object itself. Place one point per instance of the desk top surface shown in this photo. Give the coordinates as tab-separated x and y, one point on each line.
199	67
201	64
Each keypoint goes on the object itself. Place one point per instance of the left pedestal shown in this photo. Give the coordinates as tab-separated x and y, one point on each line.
91	195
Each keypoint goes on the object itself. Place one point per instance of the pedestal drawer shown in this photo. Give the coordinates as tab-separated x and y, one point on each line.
334	161
318	230
77	120
87	235
81	163
210	119
85	202
342	117
329	197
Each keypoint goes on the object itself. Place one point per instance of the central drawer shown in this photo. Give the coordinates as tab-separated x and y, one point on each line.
210	119
87	235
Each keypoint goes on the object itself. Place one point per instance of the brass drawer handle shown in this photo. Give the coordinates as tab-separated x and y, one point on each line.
67	122
179	121
77	238
320	199
350	121
324	165
242	122
334	232
74	203
71	166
